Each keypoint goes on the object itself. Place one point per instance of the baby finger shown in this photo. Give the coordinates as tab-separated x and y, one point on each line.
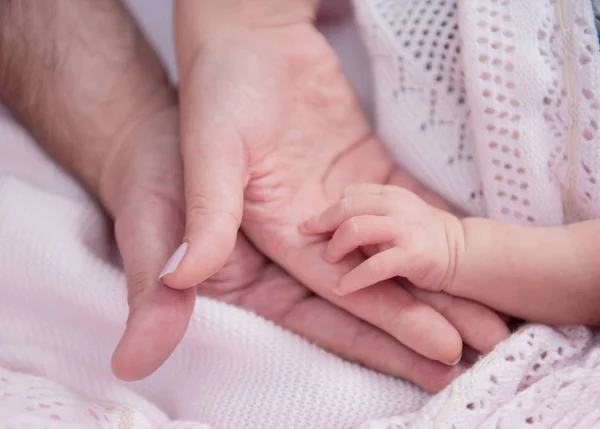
357	232
330	219
382	266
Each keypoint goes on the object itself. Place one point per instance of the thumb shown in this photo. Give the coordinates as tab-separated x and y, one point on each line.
146	232
215	171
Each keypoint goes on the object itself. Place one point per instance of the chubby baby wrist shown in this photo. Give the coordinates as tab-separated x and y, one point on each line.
456	242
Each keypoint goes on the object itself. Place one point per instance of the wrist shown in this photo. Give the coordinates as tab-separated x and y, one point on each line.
144	161
81	80
477	248
198	22
456	238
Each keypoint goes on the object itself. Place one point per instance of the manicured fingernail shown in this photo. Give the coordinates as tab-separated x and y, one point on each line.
174	261
456	362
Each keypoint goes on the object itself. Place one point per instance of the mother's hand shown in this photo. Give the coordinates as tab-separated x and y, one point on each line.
271	133
106	113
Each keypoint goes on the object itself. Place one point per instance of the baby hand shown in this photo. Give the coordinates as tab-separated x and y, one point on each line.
409	238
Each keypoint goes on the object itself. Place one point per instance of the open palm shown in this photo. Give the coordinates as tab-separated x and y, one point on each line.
149	219
272	133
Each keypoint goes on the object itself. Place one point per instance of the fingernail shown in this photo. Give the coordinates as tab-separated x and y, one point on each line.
174	261
329	258
456	362
338	290
305	224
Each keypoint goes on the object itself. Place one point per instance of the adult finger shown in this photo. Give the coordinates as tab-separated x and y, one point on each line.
215	170
147	230
479	326
385	305
353	339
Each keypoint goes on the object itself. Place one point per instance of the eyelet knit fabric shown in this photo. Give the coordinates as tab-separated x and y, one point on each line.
493	103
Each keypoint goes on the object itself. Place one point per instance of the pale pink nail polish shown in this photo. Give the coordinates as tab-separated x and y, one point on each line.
174	261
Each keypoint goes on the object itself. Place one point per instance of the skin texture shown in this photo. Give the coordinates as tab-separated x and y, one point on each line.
412	239
277	133
269	112
544	274
248	279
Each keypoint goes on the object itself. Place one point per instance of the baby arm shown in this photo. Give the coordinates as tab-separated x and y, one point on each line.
541	274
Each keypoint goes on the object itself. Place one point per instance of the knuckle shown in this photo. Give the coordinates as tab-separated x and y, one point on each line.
138	288
346	206
426	273
403	318
351	227
375	265
418	250
199	206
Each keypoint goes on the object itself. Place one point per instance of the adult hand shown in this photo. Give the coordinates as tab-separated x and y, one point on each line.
105	112
145	193
272	133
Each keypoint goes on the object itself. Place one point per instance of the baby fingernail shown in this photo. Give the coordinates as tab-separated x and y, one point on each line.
456	362
329	258
337	289
304	225
174	261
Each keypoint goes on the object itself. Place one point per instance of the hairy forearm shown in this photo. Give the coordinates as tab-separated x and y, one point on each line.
548	274
197	21
79	75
